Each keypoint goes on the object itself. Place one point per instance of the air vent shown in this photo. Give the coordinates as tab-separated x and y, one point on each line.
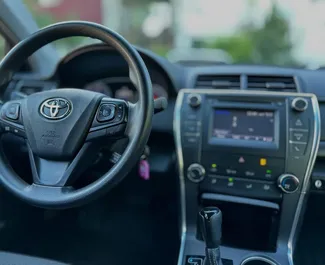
218	81
272	83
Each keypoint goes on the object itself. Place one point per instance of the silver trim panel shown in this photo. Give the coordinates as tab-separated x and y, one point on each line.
307	176
270	262
177	136
235	199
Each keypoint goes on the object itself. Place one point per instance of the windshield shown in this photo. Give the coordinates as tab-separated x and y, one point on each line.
284	32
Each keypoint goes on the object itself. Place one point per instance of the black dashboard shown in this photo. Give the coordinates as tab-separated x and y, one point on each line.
258	96
101	68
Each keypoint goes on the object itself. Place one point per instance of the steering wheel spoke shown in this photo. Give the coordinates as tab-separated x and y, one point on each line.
11	118
59	173
110	120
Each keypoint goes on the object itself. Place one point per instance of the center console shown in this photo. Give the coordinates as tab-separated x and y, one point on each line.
249	153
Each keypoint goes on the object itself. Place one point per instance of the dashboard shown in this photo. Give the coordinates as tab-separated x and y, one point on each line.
98	67
107	72
231	129
123	88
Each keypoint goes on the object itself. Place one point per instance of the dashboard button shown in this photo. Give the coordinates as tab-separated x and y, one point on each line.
297	149
318	184
288	183
231	172
249	167
262	168
271	173
194	100
191	127
191	116
221	184
266	190
298	136
248	185
250	174
190	140
213	167
299	104
241	187
195	173
299	123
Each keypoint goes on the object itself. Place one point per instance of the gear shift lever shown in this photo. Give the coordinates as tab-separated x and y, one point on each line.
210	221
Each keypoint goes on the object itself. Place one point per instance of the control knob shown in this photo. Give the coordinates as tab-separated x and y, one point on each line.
195	173
288	183
299	104
194	100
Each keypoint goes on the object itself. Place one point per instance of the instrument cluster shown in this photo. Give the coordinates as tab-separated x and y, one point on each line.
123	88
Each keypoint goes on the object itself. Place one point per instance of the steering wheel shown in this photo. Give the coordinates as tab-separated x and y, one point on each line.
62	126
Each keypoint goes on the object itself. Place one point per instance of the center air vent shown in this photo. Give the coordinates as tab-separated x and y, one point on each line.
218	81
272	83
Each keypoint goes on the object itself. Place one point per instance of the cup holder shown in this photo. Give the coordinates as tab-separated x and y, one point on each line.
258	261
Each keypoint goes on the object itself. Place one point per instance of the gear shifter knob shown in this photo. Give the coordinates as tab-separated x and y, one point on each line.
210	219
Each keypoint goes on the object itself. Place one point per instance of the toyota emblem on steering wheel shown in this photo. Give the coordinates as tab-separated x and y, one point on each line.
55	108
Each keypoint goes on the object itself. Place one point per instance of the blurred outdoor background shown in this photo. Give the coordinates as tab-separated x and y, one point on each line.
280	32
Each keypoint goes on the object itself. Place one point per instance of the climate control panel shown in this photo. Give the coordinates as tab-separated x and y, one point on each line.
255	188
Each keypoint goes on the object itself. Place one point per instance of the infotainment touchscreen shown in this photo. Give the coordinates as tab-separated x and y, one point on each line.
243	124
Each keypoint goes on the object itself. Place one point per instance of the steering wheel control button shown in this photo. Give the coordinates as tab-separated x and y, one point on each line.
9	128
11	119
195	173
106	112
299	104
120	112
288	183
120	107
12	111
194	100
110	114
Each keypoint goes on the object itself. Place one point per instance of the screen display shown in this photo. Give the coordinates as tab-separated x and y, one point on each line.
243	124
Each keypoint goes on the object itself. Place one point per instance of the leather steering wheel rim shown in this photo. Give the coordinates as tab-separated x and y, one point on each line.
141	115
